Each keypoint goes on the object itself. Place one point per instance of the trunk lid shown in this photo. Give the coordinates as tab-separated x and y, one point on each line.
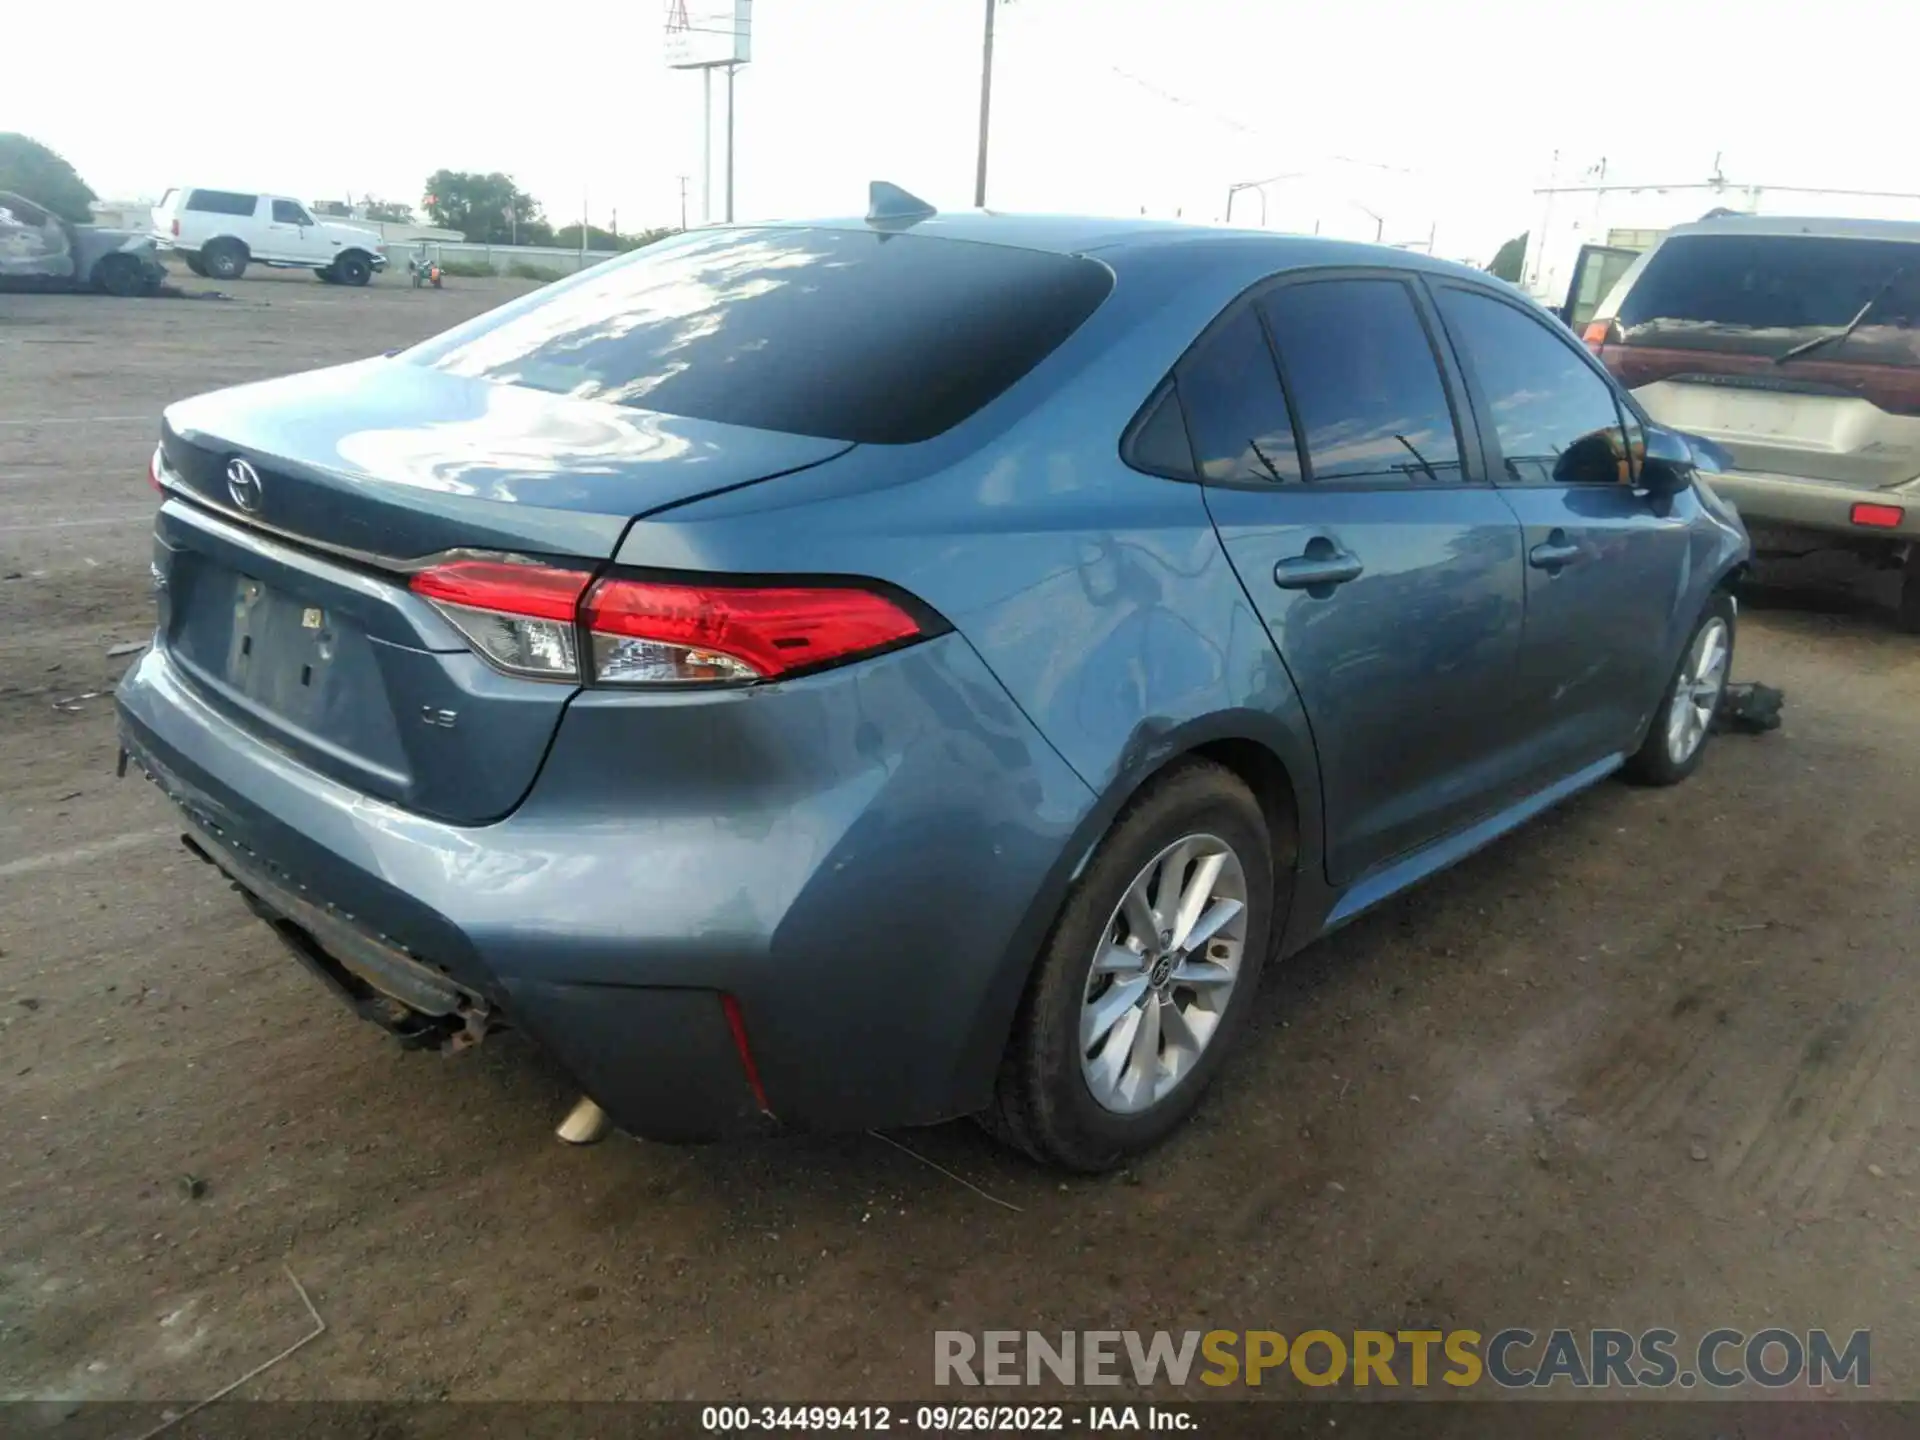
284	596
398	461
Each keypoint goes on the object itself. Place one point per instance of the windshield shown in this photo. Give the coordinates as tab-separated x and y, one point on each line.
22	211
1770	294
853	335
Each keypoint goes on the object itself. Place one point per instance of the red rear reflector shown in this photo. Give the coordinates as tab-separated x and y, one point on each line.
736	1023
536	591
1884	517
719	632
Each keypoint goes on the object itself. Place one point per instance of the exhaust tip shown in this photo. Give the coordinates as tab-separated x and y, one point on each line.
585	1124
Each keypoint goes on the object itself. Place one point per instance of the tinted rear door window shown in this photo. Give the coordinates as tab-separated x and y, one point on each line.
1236	412
222	202
1556	420
847	335
1159	443
1764	294
1366	390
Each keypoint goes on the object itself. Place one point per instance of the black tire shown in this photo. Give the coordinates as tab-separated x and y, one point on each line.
224	259
1043	1103
1909	612
353	268
327	277
121	275
1655	762
194	263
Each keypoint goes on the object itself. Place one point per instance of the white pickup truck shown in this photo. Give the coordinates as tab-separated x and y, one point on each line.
221	232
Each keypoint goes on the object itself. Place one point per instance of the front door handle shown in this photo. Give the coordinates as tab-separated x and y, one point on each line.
1322	566
1554	552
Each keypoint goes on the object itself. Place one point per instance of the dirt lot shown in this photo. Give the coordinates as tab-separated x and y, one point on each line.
1650	1062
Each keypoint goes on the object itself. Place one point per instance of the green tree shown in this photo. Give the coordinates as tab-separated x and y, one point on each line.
29	168
390	211
487	209
1509	259
337	209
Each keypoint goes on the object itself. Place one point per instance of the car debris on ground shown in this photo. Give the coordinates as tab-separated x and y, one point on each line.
1749	709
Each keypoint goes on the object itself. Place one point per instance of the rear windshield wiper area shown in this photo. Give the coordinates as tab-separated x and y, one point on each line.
1844	331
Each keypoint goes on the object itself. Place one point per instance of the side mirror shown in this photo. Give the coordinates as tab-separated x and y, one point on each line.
1671	459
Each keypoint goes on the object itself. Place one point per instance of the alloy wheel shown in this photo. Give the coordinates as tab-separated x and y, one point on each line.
1163	973
1696	692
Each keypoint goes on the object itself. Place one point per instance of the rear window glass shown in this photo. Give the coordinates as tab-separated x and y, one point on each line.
1236	411
1159	443
849	335
222	202
1764	294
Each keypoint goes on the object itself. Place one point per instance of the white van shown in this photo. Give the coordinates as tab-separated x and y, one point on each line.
221	232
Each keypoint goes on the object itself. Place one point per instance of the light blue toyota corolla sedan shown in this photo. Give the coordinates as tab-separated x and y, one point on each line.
864	672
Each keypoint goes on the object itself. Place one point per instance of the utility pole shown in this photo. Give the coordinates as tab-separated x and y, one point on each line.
706	145
986	105
730	70
683	202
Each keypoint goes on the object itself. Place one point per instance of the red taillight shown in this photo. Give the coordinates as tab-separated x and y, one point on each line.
176	228
539	592
525	618
1598	335
1882	517
519	616
646	631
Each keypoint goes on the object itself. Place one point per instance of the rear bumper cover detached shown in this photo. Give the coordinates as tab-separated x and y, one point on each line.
864	860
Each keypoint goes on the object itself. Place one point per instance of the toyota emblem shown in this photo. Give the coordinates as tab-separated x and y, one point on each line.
243	484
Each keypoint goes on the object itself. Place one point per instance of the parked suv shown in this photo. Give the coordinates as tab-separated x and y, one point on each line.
862	673
221	232
1795	344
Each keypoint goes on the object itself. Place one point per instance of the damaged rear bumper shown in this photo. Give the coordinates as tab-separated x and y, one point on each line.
690	1086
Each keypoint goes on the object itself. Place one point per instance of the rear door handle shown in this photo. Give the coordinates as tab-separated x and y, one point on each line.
1321	567
1554	552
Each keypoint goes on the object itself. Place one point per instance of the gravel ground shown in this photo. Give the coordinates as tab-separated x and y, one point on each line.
1651	1061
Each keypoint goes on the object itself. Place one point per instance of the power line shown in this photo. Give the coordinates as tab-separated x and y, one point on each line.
1184	102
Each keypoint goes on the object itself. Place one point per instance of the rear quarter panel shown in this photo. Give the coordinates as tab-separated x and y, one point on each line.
1098	596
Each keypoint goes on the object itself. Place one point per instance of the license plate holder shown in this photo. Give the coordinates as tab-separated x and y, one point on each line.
280	649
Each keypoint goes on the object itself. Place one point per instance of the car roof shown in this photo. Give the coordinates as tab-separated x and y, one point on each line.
1823	227
1111	239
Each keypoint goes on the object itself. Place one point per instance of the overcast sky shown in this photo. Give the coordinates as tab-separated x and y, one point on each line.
1101	105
